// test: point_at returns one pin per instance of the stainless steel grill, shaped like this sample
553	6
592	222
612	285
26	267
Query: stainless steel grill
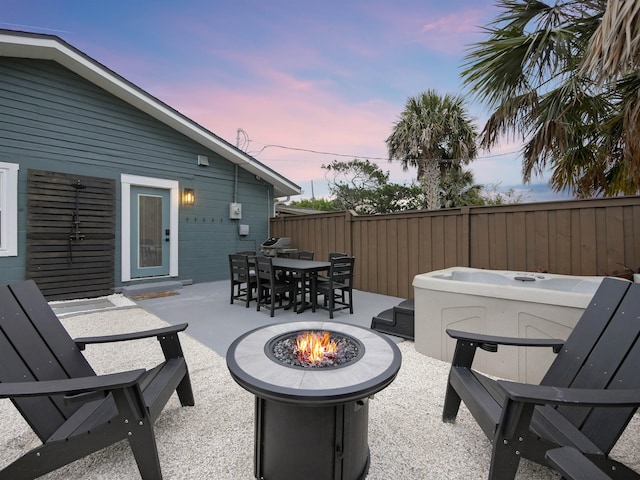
276	246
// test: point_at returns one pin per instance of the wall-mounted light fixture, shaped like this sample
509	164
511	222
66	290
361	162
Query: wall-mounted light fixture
188	197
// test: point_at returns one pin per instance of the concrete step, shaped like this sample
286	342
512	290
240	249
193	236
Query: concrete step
155	287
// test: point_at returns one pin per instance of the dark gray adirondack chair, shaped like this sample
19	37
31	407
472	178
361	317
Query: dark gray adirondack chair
583	401
73	411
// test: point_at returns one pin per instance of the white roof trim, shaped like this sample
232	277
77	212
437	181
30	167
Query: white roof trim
48	47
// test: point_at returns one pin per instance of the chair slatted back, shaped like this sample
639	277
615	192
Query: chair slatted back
341	270
34	345
584	336
239	267
613	363
602	352
265	271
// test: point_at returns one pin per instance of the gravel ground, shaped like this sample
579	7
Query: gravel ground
214	439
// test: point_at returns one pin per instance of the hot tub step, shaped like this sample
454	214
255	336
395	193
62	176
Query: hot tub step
406	306
398	321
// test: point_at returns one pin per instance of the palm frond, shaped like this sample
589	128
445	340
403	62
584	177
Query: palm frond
529	72
614	48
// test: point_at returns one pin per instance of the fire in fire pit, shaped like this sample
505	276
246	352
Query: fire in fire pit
315	349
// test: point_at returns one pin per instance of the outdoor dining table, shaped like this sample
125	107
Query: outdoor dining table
303	268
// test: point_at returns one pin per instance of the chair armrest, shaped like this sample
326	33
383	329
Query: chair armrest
584	397
573	465
158	332
491	342
71	385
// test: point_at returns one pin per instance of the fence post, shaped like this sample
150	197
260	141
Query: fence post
466	236
348	230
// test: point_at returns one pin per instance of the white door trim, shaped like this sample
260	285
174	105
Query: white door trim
126	181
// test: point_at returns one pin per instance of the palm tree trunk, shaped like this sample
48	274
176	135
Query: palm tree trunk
429	178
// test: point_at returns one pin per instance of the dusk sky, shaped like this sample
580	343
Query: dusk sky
306	82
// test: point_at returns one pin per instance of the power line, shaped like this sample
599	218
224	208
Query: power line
319	152
315	151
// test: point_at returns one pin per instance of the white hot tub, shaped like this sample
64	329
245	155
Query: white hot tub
499	302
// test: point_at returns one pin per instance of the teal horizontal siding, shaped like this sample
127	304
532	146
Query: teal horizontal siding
51	119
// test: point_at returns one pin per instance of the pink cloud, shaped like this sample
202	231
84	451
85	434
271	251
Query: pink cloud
269	92
313	119
463	22
291	114
453	32
435	27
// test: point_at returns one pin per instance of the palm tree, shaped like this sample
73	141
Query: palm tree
458	189
530	73
432	133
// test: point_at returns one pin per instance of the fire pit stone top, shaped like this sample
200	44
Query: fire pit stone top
251	366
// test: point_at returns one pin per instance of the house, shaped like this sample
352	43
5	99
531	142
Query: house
103	186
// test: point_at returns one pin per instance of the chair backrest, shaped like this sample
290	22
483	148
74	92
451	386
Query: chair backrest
264	270
34	345
239	267
336	255
303	255
341	270
602	351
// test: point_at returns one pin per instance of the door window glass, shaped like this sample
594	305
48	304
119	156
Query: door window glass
150	231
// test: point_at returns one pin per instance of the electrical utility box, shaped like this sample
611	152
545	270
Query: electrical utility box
235	211
243	230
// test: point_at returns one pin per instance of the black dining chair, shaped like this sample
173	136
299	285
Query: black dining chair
323	278
304	255
337	290
243	278
271	289
332	255
296	277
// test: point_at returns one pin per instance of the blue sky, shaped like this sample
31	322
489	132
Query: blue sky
306	82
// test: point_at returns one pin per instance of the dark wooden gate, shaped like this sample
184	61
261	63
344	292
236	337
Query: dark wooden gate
70	234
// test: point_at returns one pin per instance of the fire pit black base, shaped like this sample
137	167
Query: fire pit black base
312	423
334	437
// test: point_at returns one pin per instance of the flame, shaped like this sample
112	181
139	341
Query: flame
315	347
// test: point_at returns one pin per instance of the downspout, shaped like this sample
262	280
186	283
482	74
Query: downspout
270	210
280	202
235	185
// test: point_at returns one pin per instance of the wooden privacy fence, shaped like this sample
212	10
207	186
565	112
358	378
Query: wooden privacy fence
575	237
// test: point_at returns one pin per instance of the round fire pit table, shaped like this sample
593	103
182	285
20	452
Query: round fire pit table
312	422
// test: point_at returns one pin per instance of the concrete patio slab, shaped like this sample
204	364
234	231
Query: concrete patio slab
215	322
